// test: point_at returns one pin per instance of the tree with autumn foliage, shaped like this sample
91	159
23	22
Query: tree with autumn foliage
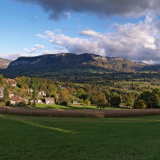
64	97
100	100
5	95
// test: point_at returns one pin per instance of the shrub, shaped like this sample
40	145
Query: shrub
140	104
64	103
22	104
80	101
34	104
8	103
88	102
29	103
2	104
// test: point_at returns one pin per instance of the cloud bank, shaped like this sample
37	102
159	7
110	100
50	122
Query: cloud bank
140	42
64	8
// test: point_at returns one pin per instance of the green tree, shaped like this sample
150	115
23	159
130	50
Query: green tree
5	95
115	99
34	95
156	98
81	93
129	99
1	79
64	97
100	100
140	104
107	94
147	96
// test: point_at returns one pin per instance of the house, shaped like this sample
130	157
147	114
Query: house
13	83
32	101
76	99
42	93
39	101
49	100
75	102
16	100
30	90
59	85
1	90
26	100
5	80
10	95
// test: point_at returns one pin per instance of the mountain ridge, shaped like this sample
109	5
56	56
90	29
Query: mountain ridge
76	63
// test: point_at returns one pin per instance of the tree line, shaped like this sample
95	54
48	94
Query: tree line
86	93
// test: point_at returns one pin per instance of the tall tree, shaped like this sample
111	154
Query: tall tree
147	96
5	95
64	97
34	95
1	79
129	99
100	100
115	99
140	104
156	98
81	93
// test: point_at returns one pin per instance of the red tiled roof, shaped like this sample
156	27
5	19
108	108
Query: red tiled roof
13	82
17	98
49	99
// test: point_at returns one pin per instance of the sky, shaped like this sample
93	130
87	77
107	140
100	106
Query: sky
111	28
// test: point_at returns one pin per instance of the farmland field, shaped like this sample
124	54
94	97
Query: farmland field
133	138
55	106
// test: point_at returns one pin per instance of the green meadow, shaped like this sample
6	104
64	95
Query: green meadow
70	107
46	138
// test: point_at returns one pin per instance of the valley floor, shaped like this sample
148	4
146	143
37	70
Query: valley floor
39	138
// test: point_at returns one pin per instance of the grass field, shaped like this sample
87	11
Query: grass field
39	138
55	106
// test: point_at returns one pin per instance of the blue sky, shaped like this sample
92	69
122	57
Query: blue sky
129	34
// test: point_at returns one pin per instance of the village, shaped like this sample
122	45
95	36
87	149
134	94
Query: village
25	96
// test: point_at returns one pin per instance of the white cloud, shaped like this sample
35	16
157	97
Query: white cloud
27	50
41	36
58	48
91	33
13	56
57	30
16	55
134	41
39	46
33	50
48	34
55	52
68	15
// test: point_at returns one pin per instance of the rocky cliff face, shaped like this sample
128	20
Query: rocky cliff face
4	63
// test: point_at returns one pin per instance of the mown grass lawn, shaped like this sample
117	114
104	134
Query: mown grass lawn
55	106
39	138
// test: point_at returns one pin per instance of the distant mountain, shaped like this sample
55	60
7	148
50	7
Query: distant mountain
4	63
74	63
